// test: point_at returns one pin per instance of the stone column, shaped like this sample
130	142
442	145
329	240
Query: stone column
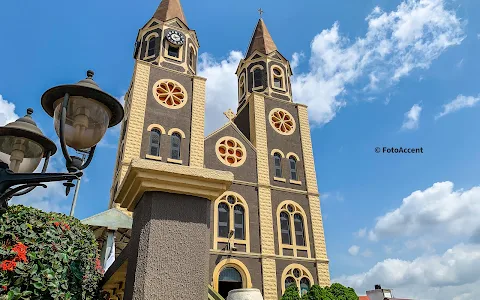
170	243
171	233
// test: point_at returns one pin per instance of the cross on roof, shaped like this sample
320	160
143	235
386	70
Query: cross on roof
261	12
229	114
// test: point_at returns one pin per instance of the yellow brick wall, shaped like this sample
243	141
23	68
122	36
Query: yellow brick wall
313	198
198	123
269	271
267	243
133	136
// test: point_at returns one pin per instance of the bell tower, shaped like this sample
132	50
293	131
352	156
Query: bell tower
264	69
165	103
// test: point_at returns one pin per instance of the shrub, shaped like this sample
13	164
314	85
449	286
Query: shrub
334	292
47	256
291	293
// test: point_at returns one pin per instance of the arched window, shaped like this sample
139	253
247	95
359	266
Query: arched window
293	168
277	162
229	274
285	228
299	233
292	230
298	275
151	46
223	220
176	141
191	58
241	86
304	286
155	142
277	75
231	214
239	222
257	78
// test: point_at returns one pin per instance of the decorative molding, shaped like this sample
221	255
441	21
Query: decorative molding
282	121
148	156
294	155
277	151
148	176
279	179
168	92
176	130
156	126
239	201
303	273
230	151
174	161
297	182
296	209
237	265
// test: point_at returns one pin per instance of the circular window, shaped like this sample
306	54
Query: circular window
231	151
282	121
170	93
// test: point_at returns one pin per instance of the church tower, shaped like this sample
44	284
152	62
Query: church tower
271	215
165	103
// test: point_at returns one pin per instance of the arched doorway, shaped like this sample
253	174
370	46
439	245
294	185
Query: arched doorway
229	279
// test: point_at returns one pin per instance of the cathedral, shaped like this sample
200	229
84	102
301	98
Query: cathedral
238	208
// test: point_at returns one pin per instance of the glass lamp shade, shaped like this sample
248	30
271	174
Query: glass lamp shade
86	121
21	154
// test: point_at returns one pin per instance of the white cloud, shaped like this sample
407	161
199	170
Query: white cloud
396	43
221	87
367	253
430	277
7	112
458	103
439	211
460	63
354	250
412	118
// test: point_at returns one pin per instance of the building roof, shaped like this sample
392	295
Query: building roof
169	9
261	40
363	298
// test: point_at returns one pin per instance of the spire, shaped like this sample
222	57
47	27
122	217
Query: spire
169	9
261	40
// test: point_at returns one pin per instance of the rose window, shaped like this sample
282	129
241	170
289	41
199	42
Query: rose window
282	121
170	93
231	151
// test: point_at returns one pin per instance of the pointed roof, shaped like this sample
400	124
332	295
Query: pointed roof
169	9
261	40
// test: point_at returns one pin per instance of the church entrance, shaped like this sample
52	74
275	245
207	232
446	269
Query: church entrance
229	279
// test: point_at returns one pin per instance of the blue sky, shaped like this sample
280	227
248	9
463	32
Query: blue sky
375	73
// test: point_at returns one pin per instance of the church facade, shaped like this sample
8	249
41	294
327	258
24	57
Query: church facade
266	231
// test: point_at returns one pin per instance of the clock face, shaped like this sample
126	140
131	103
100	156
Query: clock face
175	37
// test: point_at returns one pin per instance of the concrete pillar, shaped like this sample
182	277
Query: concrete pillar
170	246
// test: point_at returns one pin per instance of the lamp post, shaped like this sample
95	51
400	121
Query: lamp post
82	113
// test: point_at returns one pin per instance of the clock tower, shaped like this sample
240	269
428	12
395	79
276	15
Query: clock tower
165	103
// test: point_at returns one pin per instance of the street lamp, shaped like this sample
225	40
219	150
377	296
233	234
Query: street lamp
82	113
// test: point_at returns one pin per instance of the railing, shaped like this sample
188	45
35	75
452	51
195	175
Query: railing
213	295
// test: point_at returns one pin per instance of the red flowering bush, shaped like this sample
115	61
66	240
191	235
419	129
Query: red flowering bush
47	256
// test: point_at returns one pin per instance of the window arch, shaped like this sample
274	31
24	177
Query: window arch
278	78
176	142
231	213
257	74
292	229
176	136
155	135
277	163
238	266
241	86
192	57
298	275
151	44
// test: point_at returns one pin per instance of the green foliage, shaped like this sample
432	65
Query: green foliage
60	260
335	292
291	293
